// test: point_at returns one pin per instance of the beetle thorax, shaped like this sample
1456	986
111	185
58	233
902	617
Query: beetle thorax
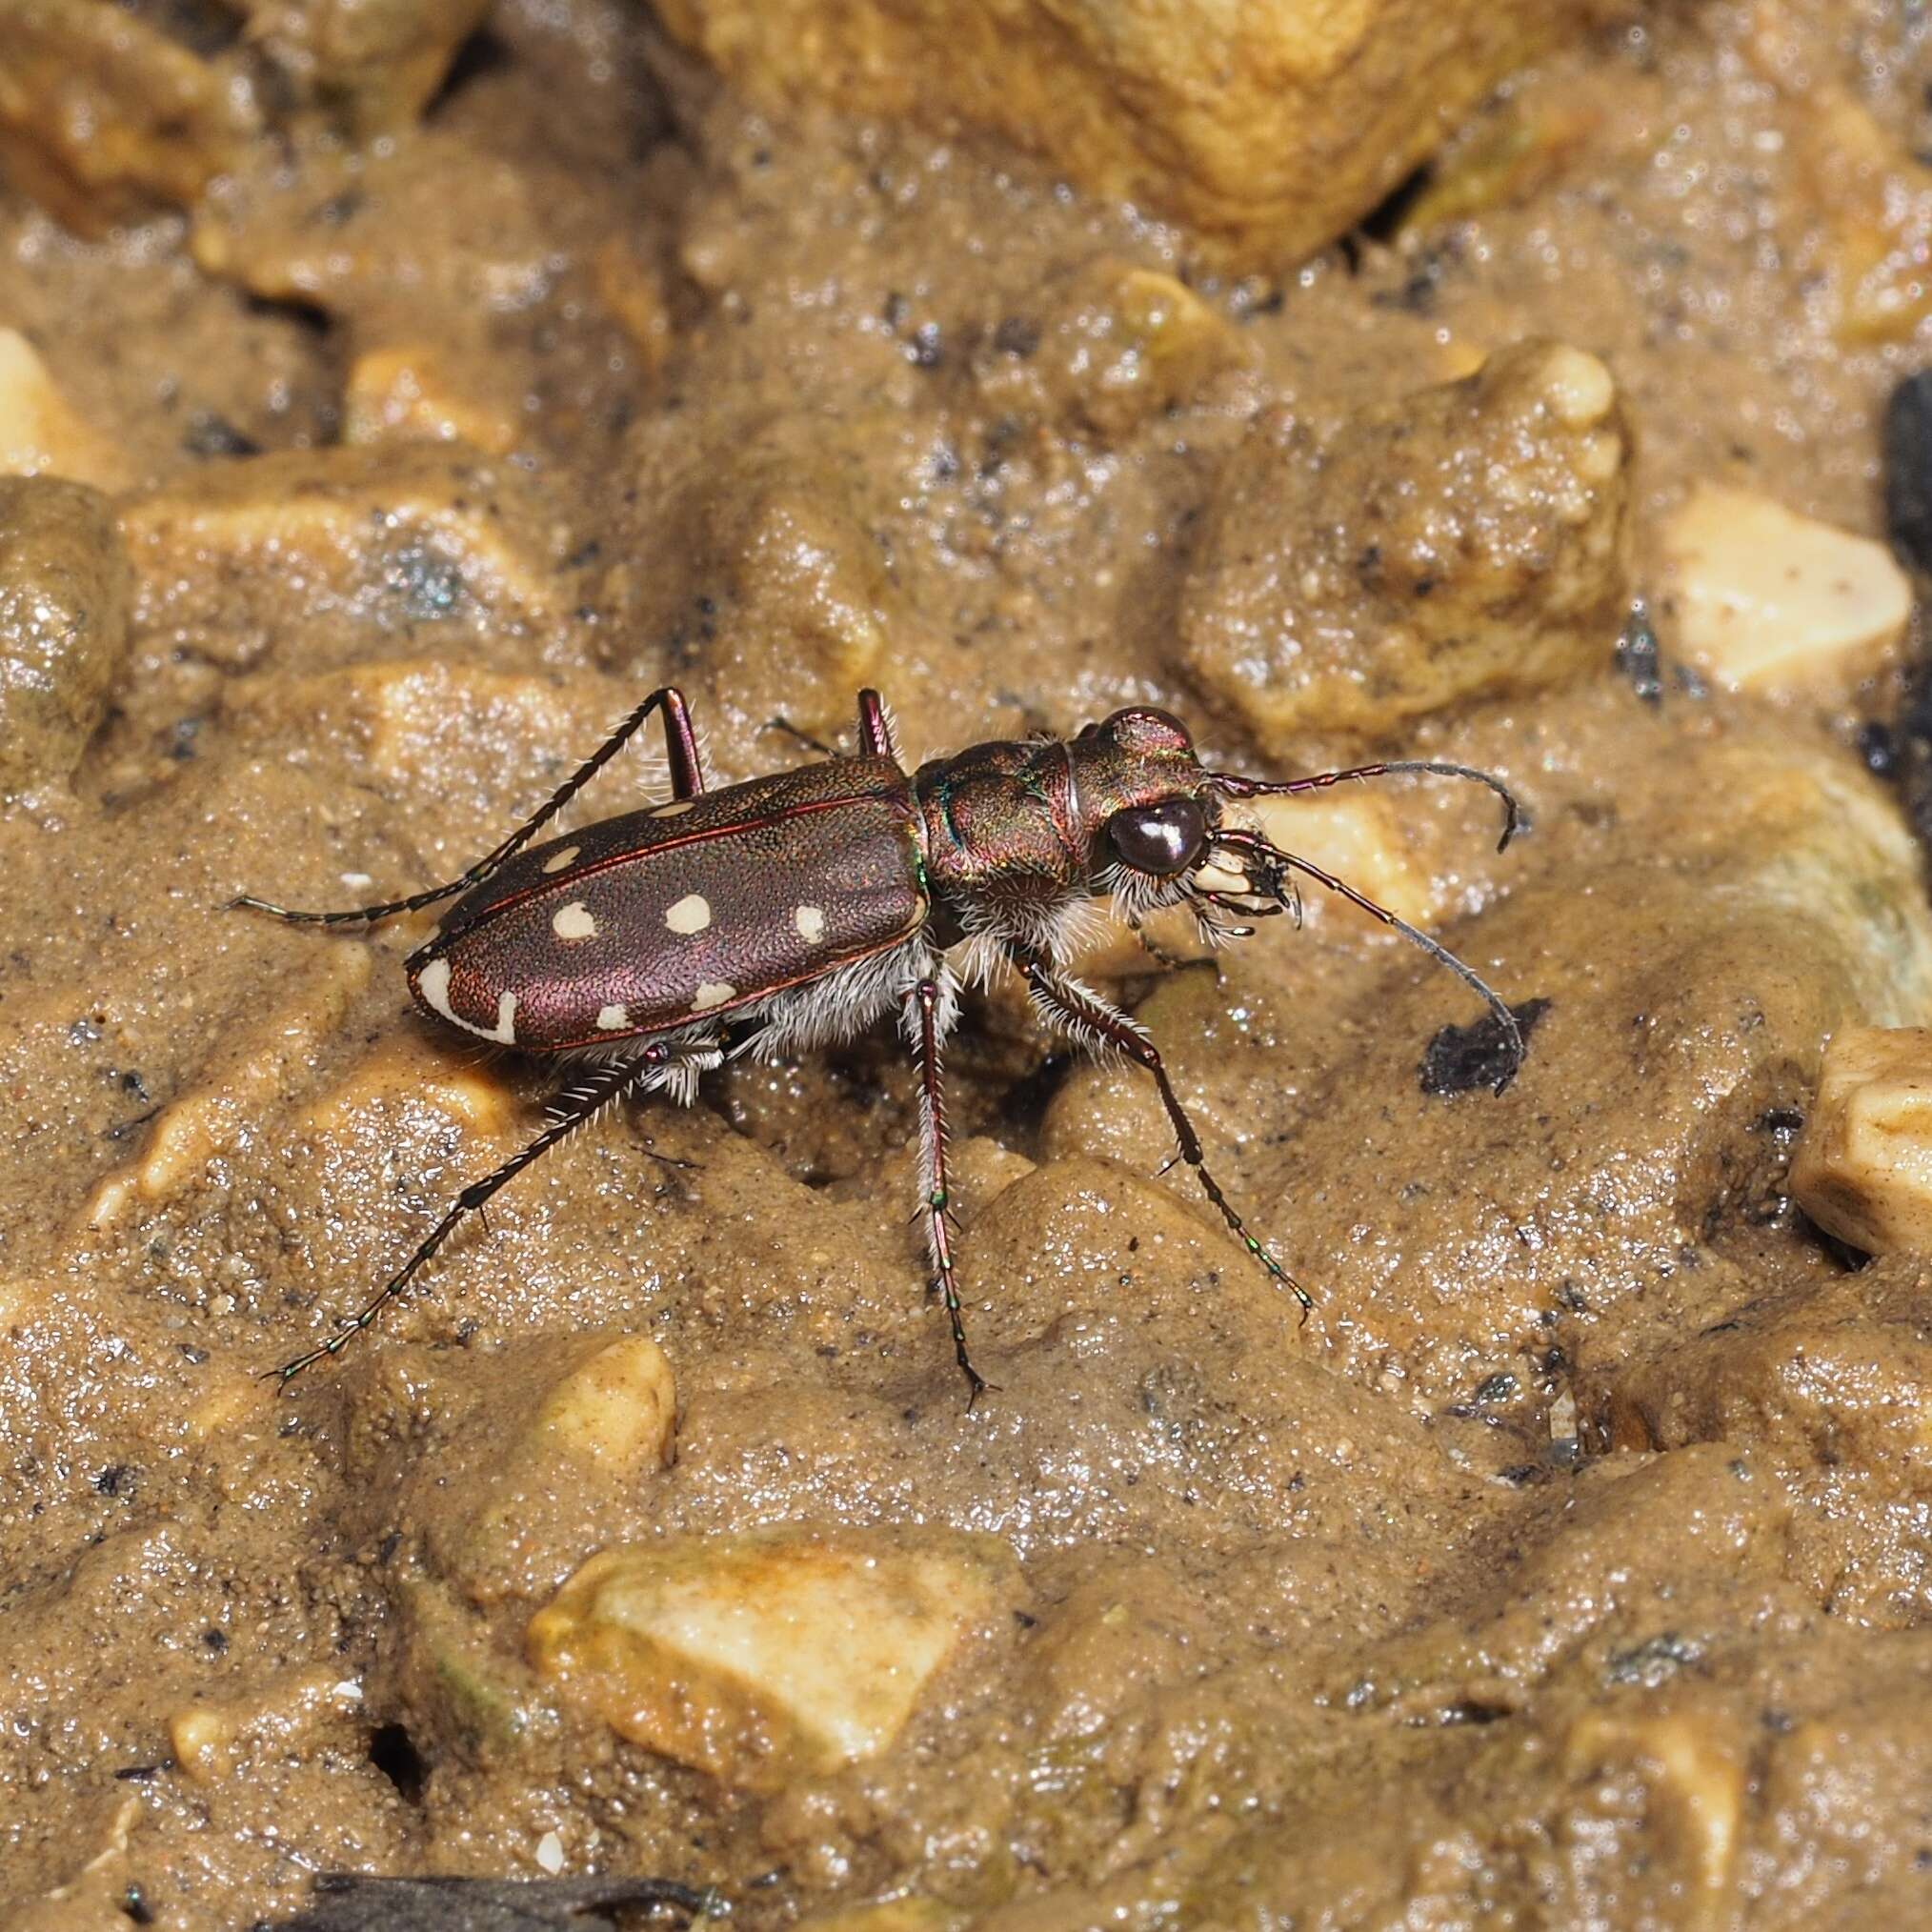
1017	835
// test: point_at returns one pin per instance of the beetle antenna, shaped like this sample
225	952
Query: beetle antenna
1232	785
1268	860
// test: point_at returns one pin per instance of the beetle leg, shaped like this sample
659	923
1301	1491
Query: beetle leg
799	737
1075	1010
876	728
585	1098
687	781
923	1024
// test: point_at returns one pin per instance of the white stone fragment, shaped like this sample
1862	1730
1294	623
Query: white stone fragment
1863	1170
1763	599
40	433
753	1657
618	1406
1353	833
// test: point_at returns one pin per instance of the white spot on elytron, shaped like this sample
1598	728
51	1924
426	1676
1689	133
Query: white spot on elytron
713	993
613	1018
432	982
811	923
558	860
574	921
671	809
692	914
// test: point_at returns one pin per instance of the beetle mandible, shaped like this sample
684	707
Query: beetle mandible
796	910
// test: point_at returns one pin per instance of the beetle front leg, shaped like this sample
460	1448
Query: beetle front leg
1084	1015
924	1023
687	781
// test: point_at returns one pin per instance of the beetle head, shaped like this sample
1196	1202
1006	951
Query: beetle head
1145	807
1161	833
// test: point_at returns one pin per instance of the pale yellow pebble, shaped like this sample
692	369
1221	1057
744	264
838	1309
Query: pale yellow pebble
188	1134
619	1406
109	1199
200	1738
1863	1168
1763	599
40	433
751	1656
1354	833
889	1915
409	392
1699	1771
1461	358
1578	387
407	1070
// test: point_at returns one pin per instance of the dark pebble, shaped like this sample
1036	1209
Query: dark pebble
1460	1059
1907	445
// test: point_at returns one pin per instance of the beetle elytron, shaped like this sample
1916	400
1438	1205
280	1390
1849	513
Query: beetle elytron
796	910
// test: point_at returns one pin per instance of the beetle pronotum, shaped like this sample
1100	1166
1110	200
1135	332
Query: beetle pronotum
796	910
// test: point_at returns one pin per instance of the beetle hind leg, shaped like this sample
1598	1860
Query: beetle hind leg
659	1064
687	781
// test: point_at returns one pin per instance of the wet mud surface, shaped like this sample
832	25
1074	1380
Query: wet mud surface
1568	1565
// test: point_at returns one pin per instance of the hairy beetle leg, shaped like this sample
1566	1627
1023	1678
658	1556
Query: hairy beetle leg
1086	1015
687	781
925	1000
601	1088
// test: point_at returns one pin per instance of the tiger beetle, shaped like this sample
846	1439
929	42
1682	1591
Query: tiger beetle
796	910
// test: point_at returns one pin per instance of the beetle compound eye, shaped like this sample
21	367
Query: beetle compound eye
1163	839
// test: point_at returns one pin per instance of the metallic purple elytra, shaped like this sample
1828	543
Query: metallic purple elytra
795	909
